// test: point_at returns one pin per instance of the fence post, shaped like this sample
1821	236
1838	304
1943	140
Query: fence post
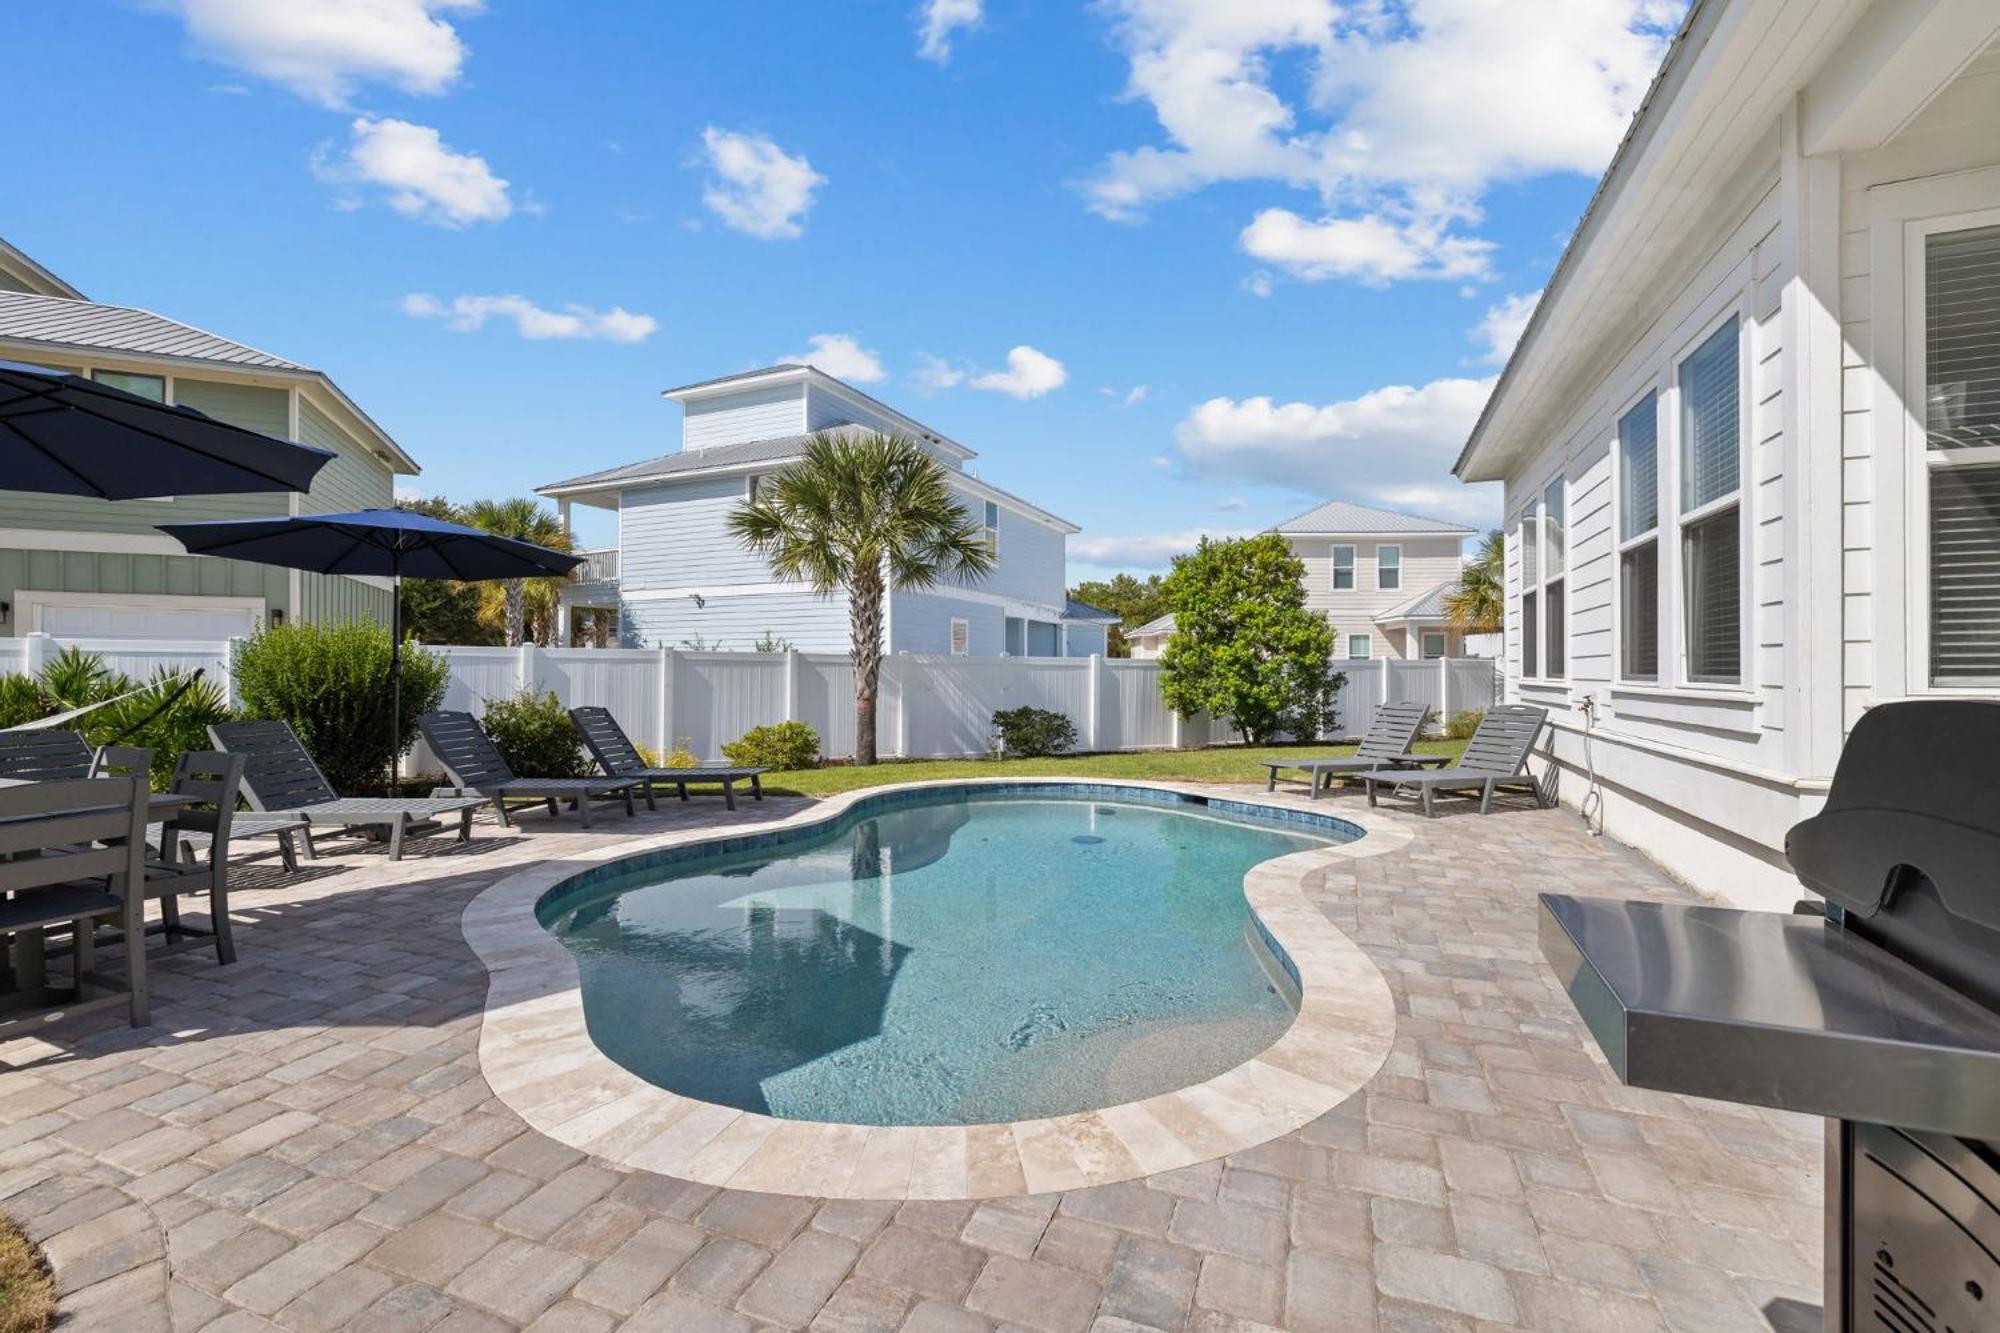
1094	701
228	682
664	738
901	675
524	669
1444	690
37	655
791	685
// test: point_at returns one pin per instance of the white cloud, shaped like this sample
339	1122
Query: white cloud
1408	110
323	50
1391	446
468	313
1131	397
1373	249
839	355
1259	284
1029	374
423	177
1502	325
1229	504
1142	550
938	19
934	373
757	187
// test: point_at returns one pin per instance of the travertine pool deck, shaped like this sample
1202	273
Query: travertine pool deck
305	1140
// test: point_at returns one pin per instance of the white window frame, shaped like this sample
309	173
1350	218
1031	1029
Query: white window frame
1353	567
1398	566
959	638
1535	514
992	516
1916	464
1424	638
1368	639
1676	520
1524	519
1657	385
166	397
750	487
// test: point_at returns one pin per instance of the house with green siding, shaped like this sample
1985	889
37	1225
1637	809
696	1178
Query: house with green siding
82	568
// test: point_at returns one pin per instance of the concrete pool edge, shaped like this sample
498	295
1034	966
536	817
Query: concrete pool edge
537	1055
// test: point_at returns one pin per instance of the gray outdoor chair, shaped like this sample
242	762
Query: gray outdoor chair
474	765
1387	745
211	780
1496	758
281	781
615	754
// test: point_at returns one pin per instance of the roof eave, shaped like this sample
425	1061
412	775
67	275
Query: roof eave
21	259
1376	536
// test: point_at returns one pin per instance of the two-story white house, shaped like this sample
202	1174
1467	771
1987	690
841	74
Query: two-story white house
1751	436
679	579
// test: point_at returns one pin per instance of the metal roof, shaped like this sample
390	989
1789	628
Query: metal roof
1158	625
758	373
1075	610
1341	517
775	449
13	257
1424	606
61	322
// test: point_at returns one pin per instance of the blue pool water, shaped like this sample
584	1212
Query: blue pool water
939	958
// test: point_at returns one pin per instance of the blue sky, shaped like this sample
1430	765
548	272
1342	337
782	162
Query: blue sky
1171	266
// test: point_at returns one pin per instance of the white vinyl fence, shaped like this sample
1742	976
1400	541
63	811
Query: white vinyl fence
929	706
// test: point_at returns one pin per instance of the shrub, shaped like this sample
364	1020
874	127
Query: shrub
682	755
332	684
21	701
166	714
1033	732
535	736
1460	726
784	745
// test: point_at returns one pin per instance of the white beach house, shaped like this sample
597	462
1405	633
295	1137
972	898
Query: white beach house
1751	437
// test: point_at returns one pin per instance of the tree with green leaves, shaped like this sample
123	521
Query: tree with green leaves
443	610
1478	605
1245	647
863	513
1135	601
524	520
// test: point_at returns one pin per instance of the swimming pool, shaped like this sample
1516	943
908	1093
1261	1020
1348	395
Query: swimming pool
942	956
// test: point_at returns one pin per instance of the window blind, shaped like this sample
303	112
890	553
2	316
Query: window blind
1962	338
1639	612
1529	635
1553	529
1965	575
1639	470
1714	599
1552	594
1530	543
1343	567
1709	423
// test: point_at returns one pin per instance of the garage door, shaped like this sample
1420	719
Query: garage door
163	620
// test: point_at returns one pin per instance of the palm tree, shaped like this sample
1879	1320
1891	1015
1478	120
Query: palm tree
864	512
523	520
1478	604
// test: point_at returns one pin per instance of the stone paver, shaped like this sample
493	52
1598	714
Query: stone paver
304	1141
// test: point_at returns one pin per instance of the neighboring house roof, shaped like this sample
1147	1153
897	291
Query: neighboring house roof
1428	605
761	372
1075	610
29	322
1158	625
24	268
786	372
1341	518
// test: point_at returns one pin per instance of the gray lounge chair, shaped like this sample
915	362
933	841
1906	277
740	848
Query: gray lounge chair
614	752
474	765
1387	745
281	781
1495	758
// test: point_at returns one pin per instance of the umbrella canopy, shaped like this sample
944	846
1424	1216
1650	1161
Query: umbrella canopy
390	543
61	434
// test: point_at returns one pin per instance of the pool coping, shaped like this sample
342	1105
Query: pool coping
537	1055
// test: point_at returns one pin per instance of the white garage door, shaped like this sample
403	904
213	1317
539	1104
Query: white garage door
161	620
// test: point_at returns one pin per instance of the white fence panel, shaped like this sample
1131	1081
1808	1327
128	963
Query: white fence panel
479	675
826	701
719	696
624	680
1358	698
1471	682
952	700
1416	682
1134	714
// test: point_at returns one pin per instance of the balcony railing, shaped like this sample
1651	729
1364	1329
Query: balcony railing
598	566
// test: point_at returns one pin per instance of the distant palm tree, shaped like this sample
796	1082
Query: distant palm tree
1478	604
524	520
864	512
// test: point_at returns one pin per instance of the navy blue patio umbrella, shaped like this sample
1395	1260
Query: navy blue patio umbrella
62	434
386	543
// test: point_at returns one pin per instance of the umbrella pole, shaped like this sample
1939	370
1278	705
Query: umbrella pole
395	677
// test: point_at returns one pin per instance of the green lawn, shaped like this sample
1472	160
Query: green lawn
1233	764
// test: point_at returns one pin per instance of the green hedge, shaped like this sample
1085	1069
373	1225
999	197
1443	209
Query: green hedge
784	745
535	736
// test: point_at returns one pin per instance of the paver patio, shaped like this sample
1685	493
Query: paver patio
304	1140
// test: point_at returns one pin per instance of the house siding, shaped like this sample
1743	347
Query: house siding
1085	640
677	536
354	479
920	622
1032	562
753	414
738	621
139	573
1427	562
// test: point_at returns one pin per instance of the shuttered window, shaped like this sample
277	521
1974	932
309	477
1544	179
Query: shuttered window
1639	598
1711	509
1711	574
1962	432
1639	541
1639	469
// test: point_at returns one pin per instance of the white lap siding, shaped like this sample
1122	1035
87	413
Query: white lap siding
734	622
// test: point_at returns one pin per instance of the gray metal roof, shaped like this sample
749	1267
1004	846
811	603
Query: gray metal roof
1343	517
1159	625
1424	606
1075	610
777	448
13	257
739	375
60	322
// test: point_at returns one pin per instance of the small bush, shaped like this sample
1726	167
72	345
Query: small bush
21	701
331	682
1460	726
165	714
786	745
1033	732
535	736
682	755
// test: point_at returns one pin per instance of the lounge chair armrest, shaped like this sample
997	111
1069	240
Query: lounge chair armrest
1412	759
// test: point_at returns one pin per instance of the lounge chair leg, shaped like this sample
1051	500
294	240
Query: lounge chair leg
630	809
729	793
1486	796
582	810
1271	779
287	853
1371	791
651	803
555	807
170	917
1429	812
465	824
135	959
396	837
500	811
684	791
307	851
83	954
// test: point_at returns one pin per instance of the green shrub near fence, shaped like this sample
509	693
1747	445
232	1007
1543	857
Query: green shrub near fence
1031	733
535	736
1460	726
783	745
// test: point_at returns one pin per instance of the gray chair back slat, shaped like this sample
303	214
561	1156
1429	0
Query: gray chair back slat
1393	731
1505	736
463	747
44	756
94	821
278	774
212	779
607	741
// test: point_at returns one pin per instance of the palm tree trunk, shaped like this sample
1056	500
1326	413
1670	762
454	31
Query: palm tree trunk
864	615
517	611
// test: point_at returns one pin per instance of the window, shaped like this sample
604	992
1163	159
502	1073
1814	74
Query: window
1360	645
1544	538
1962	453
1343	568
1711	519
961	637
1531	580
1639	541
750	487
992	528
1388	567
1432	642
153	387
